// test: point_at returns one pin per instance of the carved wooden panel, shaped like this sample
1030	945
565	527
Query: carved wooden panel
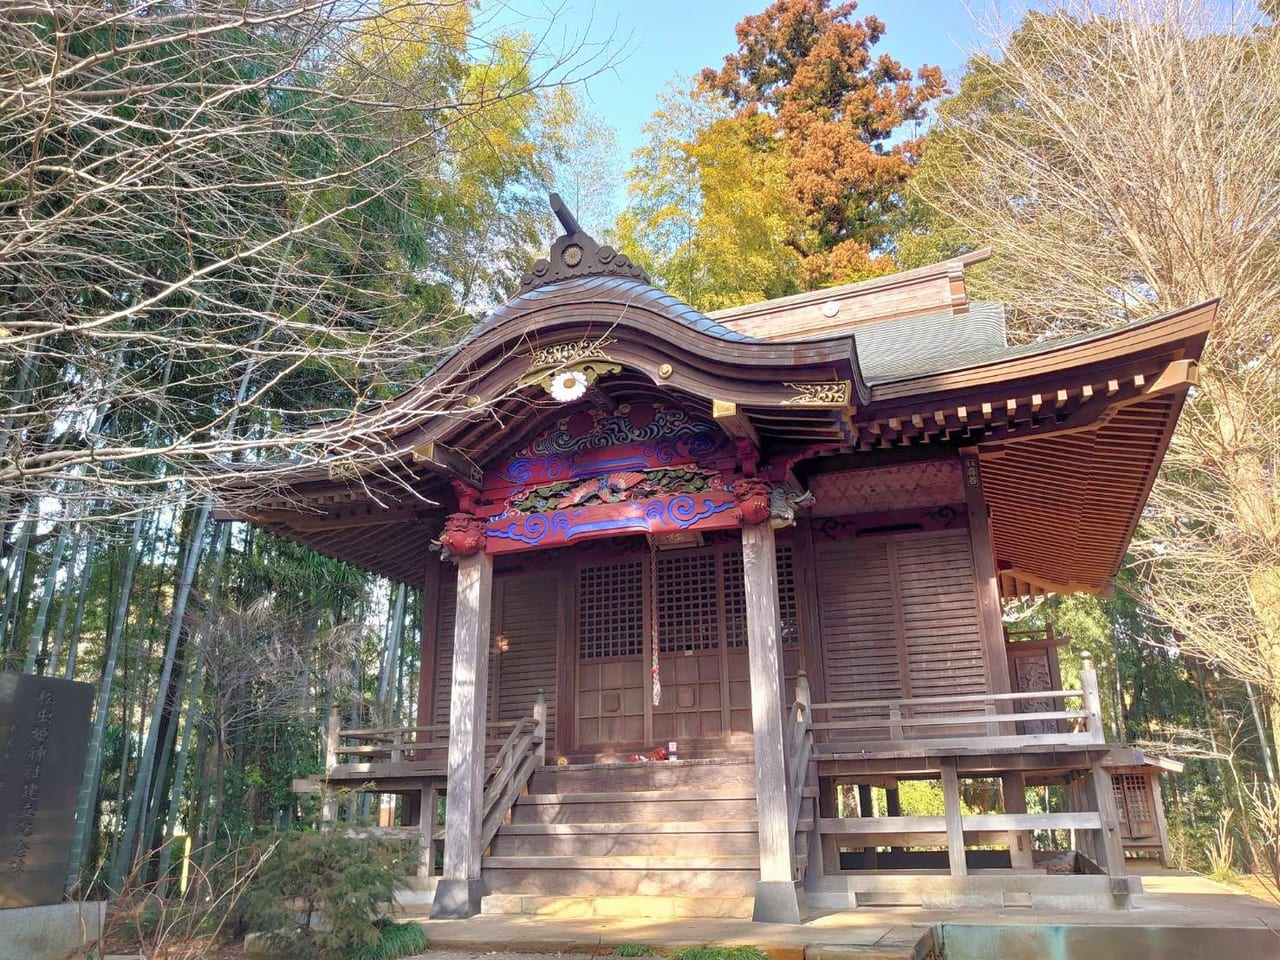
1030	672
928	484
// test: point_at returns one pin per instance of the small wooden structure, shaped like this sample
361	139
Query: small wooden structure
778	537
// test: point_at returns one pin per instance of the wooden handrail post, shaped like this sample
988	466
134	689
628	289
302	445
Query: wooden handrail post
397	742
331	740
540	728
1092	699
895	722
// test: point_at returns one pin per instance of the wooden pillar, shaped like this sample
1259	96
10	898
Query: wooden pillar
460	889
779	899
893	808
1110	847
1162	827
984	565
954	818
1013	788
329	806
867	809
829	807
1092	697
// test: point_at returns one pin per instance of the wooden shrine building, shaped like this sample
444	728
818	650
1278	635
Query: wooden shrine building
779	537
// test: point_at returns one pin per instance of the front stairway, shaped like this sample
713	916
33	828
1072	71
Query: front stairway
663	839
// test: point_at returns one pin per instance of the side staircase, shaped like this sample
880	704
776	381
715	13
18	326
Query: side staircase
664	839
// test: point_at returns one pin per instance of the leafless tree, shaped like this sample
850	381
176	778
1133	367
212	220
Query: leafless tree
1123	158
225	226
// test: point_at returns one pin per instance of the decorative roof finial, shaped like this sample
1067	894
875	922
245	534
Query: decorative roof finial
576	254
567	219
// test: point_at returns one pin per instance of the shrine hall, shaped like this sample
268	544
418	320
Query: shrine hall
702	592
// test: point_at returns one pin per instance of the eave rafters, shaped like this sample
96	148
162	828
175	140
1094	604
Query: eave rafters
1034	410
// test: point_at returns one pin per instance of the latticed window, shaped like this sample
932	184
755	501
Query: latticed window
787	604
611	610
688	602
1132	796
735	598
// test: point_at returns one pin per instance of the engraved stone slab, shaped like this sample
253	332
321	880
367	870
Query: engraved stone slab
44	733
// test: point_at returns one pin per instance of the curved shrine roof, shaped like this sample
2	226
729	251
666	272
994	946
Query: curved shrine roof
1070	432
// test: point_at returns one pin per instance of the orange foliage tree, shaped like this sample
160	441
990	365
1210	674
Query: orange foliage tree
809	70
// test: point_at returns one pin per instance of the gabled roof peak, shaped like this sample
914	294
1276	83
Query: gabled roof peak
577	254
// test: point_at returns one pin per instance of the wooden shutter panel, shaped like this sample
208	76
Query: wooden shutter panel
856	601
446	608
899	618
938	597
528	615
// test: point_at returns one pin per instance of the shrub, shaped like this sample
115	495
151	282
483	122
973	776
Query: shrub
325	894
718	953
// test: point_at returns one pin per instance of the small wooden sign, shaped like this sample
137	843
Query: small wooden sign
44	734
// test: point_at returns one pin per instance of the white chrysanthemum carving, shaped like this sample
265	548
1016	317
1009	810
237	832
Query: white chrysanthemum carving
567	386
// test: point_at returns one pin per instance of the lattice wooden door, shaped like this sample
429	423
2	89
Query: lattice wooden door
612	681
702	651
1136	805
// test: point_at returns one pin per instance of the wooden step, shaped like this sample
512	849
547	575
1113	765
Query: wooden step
661	775
618	907
577	880
728	803
740	838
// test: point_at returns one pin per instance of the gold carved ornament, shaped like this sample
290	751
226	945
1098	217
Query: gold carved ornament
835	393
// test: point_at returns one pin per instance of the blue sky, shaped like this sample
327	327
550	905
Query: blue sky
660	40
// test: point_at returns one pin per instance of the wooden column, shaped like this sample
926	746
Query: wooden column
779	899
1013	788
1110	848
954	818
1157	799
460	889
329	808
984	564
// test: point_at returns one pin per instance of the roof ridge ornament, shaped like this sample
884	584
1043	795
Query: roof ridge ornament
577	254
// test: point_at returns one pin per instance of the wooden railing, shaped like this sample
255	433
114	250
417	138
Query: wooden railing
919	720
798	753
427	745
523	752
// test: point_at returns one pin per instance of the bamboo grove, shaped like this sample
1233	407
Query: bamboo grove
225	227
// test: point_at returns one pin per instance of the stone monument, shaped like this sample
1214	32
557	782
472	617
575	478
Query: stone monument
44	733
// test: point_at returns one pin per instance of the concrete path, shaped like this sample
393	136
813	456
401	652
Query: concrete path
1171	900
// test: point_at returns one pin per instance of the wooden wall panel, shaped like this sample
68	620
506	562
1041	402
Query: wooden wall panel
898	617
527	615
940	615
856	616
445	610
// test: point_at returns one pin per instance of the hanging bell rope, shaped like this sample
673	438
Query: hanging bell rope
653	621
